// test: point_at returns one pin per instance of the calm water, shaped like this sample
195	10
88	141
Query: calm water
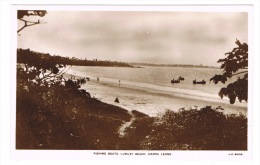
149	89
156	77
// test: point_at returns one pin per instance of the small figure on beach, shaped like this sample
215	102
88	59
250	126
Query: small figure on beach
117	100
118	82
97	79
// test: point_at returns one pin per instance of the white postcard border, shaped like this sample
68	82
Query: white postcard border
34	155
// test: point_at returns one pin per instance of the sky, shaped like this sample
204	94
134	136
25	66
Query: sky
162	37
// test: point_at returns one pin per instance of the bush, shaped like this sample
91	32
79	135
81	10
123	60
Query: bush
56	116
204	129
136	133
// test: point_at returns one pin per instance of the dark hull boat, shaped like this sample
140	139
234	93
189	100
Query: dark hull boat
175	81
199	82
181	78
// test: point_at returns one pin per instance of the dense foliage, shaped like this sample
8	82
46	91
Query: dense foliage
22	13
204	129
53	112
235	63
31	58
64	117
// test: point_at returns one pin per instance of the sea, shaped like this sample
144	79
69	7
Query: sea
148	89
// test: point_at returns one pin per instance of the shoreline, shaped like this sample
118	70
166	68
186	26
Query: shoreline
150	101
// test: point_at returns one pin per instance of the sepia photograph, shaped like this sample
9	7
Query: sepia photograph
133	80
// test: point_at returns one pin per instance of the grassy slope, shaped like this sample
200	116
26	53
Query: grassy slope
83	123
63	118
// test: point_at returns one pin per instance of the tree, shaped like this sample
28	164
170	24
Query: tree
22	13
39	67
235	63
36	65
45	100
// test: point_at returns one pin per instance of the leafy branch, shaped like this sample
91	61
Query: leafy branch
235	63
27	23
48	76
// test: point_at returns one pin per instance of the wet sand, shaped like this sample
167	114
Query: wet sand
152	102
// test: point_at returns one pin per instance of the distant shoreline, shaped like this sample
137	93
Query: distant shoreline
24	54
141	65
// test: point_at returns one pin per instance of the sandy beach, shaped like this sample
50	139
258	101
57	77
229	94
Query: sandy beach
152	102
149	98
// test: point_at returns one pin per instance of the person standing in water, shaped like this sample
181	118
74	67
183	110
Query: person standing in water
118	82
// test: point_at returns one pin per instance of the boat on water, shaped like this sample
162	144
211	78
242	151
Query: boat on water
181	78
175	81
199	82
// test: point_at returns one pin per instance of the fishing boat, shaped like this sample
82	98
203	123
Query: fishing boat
175	81
199	82
181	78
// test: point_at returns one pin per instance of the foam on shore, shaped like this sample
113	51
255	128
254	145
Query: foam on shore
151	102
153	99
